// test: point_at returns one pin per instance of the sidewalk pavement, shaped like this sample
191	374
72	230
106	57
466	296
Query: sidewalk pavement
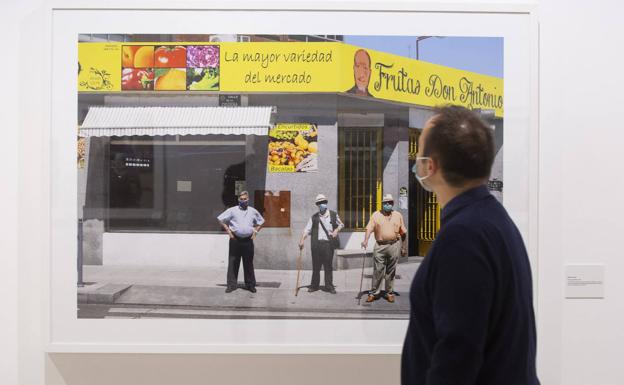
191	292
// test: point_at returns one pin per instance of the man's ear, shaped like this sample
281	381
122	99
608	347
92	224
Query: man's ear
433	165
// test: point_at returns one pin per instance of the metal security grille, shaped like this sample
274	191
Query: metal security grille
359	167
429	215
427	207
413	145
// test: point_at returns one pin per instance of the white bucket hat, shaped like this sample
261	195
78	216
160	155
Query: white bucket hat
320	198
387	198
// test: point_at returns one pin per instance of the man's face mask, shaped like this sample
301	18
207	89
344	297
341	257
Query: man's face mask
387	206
243	203
322	207
421	178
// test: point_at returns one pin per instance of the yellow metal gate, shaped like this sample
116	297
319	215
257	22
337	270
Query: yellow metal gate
424	210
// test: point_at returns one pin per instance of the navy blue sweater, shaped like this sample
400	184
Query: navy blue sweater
472	319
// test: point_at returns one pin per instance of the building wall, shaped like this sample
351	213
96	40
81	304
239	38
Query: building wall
94	183
396	163
277	248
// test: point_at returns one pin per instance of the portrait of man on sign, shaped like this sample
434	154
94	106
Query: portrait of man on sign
361	73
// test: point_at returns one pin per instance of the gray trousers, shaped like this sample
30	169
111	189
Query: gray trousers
385	259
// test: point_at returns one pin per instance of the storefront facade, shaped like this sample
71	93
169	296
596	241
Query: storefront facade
152	197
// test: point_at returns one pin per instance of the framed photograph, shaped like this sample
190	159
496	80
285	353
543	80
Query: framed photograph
187	144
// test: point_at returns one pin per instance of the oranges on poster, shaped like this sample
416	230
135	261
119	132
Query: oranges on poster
144	57
127	55
173	79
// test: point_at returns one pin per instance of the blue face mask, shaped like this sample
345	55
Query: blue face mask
243	204
387	207
322	207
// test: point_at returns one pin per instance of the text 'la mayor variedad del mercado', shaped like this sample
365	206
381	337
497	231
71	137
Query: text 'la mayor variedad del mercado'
266	59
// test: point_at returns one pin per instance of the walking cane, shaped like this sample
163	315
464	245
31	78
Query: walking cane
362	276
298	271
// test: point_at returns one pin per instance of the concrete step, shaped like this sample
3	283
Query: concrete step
106	293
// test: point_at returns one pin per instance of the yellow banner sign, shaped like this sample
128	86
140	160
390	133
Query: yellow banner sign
281	67
391	77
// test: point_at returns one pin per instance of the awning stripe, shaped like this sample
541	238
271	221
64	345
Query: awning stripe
156	121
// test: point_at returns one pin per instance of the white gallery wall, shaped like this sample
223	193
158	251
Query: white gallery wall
580	140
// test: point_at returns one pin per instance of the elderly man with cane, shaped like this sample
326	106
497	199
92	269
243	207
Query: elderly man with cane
390	234
323	227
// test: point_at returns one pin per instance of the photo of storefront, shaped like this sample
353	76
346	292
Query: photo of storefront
171	129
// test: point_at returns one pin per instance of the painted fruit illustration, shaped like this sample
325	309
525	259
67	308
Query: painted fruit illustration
127	55
170	57
144	57
173	79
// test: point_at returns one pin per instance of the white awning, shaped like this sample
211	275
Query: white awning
157	121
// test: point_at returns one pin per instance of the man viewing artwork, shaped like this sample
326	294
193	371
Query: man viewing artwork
471	317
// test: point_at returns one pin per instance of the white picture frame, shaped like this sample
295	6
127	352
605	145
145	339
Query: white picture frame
64	332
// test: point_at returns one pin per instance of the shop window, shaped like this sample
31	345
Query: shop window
360	171
172	185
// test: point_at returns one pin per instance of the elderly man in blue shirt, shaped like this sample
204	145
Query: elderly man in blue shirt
471	319
242	223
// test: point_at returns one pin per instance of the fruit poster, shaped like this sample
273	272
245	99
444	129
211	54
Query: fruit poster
293	147
170	68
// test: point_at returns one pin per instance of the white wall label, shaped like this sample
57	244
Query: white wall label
584	281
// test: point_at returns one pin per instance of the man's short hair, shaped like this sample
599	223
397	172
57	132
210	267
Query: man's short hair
243	193
462	144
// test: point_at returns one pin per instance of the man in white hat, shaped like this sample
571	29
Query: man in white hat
390	233
323	227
